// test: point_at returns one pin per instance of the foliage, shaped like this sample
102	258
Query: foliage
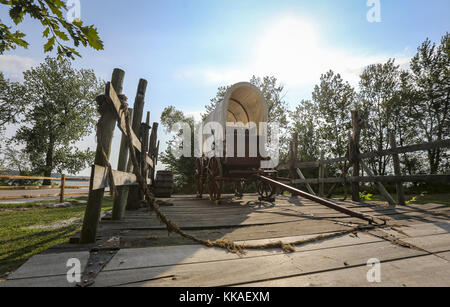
304	122
365	196
57	31
60	112
12	102
430	111
17	162
334	99
378	86
182	167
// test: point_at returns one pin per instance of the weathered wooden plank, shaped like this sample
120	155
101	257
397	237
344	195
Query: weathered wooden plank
433	244
425	271
100	179
189	254
46	265
58	281
420	230
105	133
246	270
114	99
134	193
120	201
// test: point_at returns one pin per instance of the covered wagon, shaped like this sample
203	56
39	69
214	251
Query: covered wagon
233	144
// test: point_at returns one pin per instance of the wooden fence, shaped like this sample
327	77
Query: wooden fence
62	187
145	145
355	160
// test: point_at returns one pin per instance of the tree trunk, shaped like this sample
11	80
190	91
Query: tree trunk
49	161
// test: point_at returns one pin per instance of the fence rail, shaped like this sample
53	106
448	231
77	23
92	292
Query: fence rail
355	161
62	187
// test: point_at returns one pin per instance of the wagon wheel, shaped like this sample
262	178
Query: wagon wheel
214	185
265	189
198	177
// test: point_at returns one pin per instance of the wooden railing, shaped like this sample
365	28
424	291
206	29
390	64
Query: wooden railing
145	147
355	160
62	187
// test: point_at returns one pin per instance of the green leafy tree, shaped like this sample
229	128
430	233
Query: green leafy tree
16	162
334	99
402	124
379	84
183	167
57	30
12	101
431	76
304	121
60	112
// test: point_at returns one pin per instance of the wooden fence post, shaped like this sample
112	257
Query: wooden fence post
398	172
321	174
94	205
354	153
120	201
145	130
153	148
133	191
63	184
293	155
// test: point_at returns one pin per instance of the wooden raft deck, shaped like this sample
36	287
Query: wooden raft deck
414	249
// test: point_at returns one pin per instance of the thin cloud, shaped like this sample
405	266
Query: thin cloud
13	66
291	50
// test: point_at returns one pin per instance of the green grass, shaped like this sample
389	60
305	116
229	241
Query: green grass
420	199
19	242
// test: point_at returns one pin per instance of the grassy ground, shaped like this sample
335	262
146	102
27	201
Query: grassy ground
442	199
420	199
28	229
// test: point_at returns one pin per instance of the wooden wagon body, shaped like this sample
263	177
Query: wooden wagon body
233	145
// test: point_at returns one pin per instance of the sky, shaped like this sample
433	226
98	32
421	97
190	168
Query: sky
186	49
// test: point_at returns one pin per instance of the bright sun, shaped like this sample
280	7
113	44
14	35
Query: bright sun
289	44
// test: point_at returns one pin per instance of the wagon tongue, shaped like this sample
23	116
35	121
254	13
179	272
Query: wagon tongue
322	201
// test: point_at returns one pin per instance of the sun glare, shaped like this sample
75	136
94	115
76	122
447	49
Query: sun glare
289	44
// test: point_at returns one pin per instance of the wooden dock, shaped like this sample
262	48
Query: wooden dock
414	247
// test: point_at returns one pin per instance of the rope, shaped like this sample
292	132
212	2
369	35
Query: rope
228	245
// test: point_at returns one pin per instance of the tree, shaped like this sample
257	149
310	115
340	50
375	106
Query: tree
431	76
304	122
379	84
11	101
16	162
58	31
334	99
182	167
60	112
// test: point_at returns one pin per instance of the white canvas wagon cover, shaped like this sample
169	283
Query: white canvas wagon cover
243	103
